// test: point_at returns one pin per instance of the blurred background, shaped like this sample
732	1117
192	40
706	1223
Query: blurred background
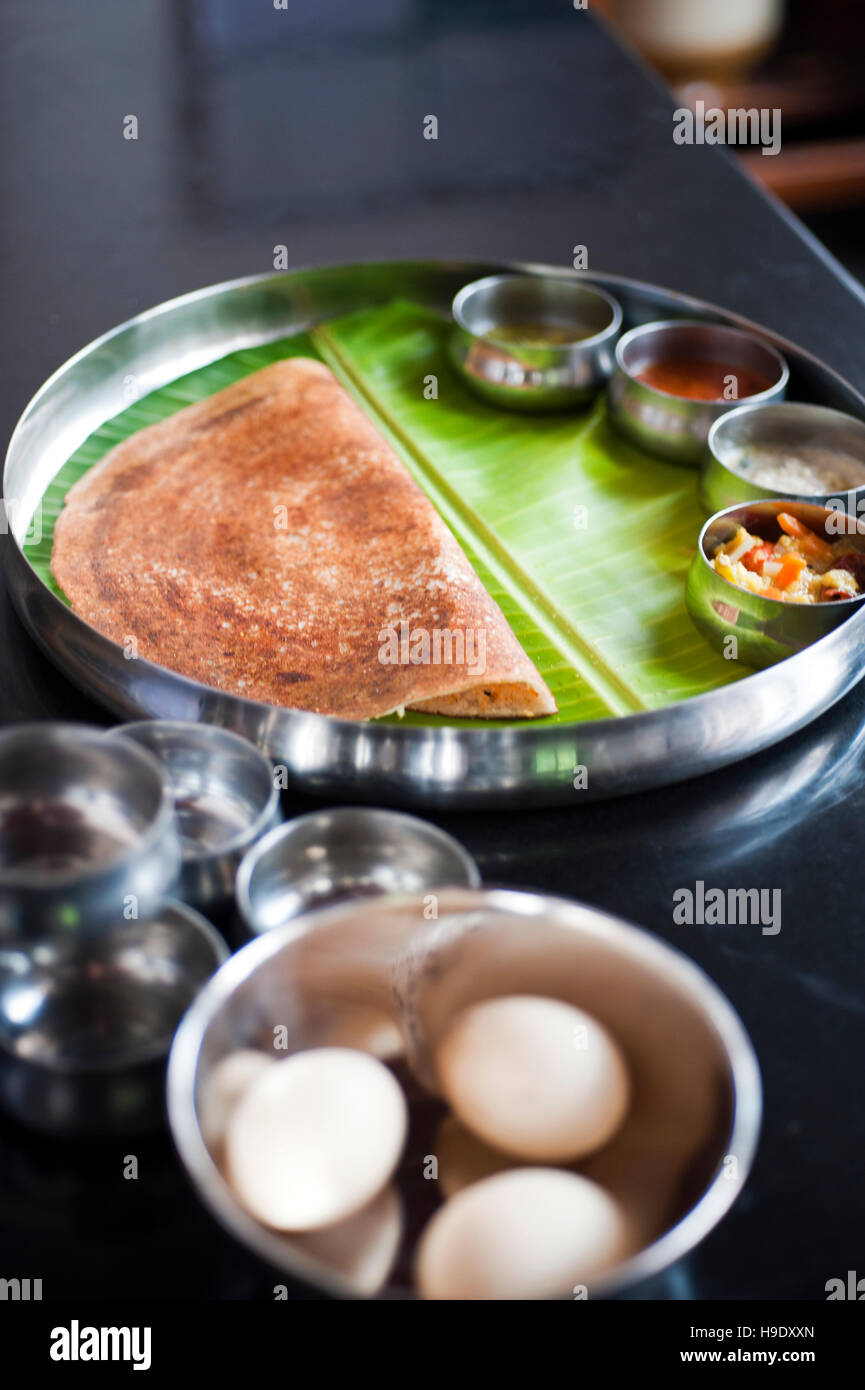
265	124
801	57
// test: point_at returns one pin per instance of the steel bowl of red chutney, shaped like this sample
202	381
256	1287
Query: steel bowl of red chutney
675	378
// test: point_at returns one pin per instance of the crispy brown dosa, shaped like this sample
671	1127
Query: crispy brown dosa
269	542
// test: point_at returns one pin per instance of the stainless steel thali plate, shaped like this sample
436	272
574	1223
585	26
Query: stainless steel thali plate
384	762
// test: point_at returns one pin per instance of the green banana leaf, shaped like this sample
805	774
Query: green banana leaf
582	540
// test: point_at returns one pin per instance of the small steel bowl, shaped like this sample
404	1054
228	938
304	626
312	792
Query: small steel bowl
555	376
750	627
225	799
86	832
685	1149
676	427
350	852
86	1026
789	425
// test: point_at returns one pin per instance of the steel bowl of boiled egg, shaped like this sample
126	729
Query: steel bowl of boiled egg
467	1095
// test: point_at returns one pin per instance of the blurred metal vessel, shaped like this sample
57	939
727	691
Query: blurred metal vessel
85	1026
87	835
348	852
225	798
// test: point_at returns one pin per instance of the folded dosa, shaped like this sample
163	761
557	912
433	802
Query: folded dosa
269	542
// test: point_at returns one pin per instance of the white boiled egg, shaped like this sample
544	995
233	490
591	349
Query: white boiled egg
529	1233
534	1077
224	1087
315	1138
